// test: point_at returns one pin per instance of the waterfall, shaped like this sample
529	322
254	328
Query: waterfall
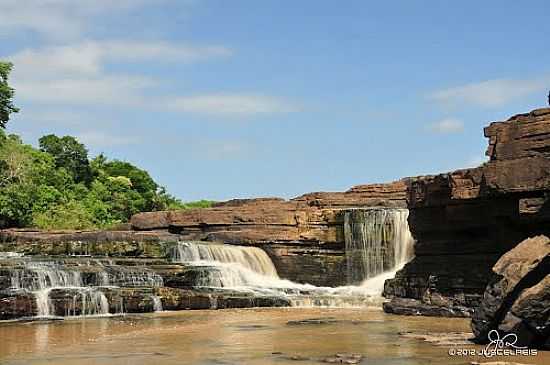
252	258
377	241
227	266
43	277
88	299
92	302
244	269
157	303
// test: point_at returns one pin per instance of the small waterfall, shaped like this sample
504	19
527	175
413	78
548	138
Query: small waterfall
377	241
227	266
82	281
157	303
43	277
90	301
252	258
209	266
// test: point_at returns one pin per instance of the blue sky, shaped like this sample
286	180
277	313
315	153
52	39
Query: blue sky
222	99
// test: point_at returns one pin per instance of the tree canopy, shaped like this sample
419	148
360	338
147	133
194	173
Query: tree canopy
69	154
6	95
59	187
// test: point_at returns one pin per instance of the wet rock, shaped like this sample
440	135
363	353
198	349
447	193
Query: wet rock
17	305
440	338
497	363
415	307
179	299
298	358
344	358
516	298
321	321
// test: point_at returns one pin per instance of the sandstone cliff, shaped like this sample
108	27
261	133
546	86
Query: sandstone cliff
465	220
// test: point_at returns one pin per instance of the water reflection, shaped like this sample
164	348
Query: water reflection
252	337
42	337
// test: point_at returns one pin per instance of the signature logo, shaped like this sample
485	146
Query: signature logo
497	346
495	342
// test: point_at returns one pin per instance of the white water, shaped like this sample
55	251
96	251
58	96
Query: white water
379	242
157	303
87	298
43	277
252	258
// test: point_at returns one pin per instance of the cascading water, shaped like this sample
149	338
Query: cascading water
157	303
84	282
377	244
377	241
227	266
252	258
42	277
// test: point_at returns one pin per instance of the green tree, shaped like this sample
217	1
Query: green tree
68	154
140	179
6	95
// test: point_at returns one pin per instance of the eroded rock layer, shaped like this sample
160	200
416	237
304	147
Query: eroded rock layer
465	220
303	236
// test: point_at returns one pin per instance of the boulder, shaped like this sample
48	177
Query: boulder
515	297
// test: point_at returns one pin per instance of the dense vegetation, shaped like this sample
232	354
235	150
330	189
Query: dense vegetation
58	186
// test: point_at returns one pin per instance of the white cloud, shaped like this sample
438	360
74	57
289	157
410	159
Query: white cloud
74	74
104	90
491	93
159	51
44	116
58	19
100	139
229	104
90	57
447	126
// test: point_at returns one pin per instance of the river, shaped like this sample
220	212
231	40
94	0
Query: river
234	337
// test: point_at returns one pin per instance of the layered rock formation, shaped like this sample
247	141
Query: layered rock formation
304	236
465	220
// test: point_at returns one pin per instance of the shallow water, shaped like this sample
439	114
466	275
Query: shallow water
245	336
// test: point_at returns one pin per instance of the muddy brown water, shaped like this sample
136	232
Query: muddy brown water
235	337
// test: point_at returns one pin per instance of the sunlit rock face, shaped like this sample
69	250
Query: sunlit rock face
465	220
304	236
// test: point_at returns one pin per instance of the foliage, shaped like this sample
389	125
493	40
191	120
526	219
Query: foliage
69	154
6	95
59	187
199	204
